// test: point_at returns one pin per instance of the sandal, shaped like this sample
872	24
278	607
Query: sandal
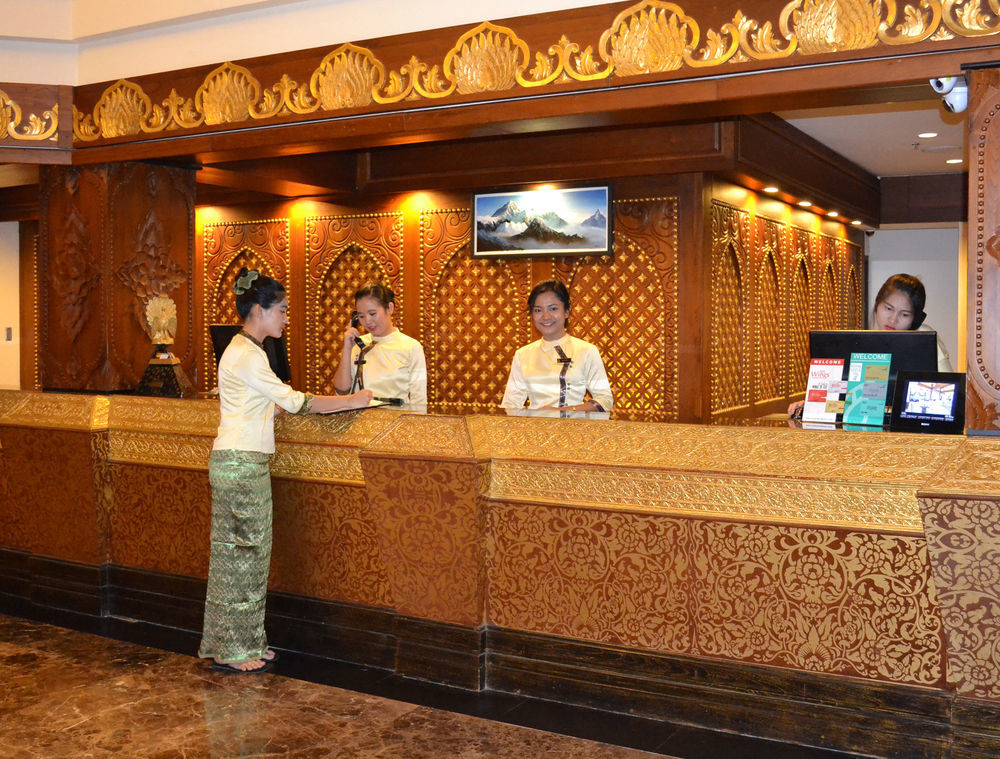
270	656
232	669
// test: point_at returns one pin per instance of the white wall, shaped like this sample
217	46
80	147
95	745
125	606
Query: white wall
10	315
933	256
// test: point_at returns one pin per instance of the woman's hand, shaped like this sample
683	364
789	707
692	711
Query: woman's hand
350	335
360	399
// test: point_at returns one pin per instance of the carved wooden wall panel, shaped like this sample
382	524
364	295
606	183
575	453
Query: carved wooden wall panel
229	246
472	314
73	272
342	253
626	305
152	242
111	237
983	343
771	283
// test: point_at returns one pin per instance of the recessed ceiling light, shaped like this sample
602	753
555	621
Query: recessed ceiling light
805	203
771	188
832	213
954	160
927	135
856	222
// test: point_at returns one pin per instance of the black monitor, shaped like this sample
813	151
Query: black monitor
929	402
276	350
912	350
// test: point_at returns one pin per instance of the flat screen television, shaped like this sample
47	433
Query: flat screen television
567	221
912	350
276	350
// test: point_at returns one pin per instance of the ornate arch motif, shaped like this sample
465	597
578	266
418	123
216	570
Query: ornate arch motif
853	308
730	234
471	314
342	253
768	365
829	309
229	246
798	334
626	305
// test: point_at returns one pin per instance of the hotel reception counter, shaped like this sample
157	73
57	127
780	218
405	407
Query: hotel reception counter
830	587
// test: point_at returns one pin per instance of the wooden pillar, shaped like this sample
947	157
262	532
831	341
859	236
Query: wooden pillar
111	236
982	405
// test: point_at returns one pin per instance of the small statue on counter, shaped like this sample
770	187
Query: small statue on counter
164	375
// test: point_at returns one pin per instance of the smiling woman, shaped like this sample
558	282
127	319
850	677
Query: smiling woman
558	371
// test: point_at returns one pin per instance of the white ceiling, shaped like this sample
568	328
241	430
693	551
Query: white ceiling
883	138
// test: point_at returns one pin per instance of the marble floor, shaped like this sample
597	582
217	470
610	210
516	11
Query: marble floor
70	694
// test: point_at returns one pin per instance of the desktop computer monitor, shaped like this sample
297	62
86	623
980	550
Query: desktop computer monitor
276	350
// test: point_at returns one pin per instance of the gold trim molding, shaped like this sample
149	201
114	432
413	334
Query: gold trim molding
648	38
15	125
54	410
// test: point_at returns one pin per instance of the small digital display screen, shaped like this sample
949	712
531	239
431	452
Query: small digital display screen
929	401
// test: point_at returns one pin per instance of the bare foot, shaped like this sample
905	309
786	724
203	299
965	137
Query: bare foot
247	665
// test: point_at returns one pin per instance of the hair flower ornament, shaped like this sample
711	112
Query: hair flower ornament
244	282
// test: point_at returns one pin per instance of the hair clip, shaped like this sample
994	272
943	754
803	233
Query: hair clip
243	283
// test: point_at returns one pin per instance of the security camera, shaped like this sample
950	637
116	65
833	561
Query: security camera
957	98
942	85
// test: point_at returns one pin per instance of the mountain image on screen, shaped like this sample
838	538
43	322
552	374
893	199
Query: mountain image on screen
511	228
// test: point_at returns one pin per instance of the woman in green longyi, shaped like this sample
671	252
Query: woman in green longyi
239	472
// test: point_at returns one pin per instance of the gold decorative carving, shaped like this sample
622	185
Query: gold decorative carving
181	417
413	435
786	501
973	471
635	290
461	342
963	537
346	78
317	463
160	449
55	411
647	39
342	253
841	456
229	246
348	429
36	129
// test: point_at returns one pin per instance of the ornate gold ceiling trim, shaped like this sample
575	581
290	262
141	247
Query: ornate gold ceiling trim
15	125
650	37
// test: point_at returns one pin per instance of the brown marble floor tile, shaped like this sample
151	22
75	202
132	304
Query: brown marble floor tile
68	694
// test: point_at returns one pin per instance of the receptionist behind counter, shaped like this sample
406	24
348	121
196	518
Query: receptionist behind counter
383	360
558	371
899	305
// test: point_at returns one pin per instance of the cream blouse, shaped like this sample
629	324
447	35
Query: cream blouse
394	368
534	375
248	390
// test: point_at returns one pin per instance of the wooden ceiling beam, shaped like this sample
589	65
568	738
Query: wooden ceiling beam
263	183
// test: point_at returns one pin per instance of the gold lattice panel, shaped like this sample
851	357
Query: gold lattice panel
828	299
342	253
799	334
472	314
853	311
615	299
229	246
729	235
768	363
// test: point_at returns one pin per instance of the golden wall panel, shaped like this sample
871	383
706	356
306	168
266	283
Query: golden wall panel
49	507
430	521
818	599
342	253
464	367
326	544
963	536
786	501
973	470
229	246
622	579
633	292
645	40
317	463
771	283
161	519
847	603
